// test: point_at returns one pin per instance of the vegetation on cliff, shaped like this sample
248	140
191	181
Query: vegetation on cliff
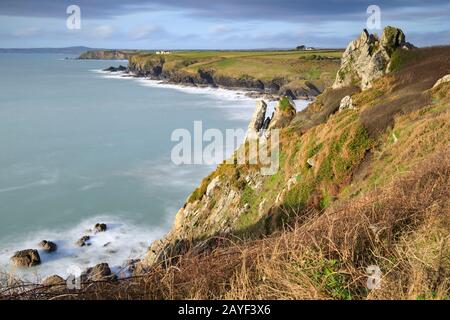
278	72
359	187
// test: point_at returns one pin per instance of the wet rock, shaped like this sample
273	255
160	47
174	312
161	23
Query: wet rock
26	258
48	246
115	69
100	227
83	241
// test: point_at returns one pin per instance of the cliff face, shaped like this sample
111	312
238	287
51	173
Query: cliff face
326	155
174	70
106	55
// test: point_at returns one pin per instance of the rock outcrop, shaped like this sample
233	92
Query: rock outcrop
83	241
257	121
26	258
120	68
100	227
442	80
346	103
284	112
367	58
48	246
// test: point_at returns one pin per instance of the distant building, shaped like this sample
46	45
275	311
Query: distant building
163	52
302	47
309	48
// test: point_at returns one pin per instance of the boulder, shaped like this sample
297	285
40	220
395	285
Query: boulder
285	111
26	258
48	246
83	241
54	280
100	227
346	103
101	272
367	58
442	80
257	121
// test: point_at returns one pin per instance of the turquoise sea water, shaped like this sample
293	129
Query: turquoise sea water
78	147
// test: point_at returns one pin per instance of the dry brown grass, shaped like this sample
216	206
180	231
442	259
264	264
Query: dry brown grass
403	228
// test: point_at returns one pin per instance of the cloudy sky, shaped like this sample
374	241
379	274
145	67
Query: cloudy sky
209	24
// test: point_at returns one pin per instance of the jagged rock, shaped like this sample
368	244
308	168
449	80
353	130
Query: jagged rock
48	246
285	111
115	69
442	80
346	103
257	121
101	272
310	162
26	258
367	58
83	241
100	227
266	124
212	185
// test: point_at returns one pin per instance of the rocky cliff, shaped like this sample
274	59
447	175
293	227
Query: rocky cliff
325	155
106	55
173	71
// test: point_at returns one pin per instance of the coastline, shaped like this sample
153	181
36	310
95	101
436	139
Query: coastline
65	243
238	92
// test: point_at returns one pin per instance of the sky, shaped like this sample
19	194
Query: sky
215	24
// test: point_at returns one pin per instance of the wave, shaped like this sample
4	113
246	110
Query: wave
123	240
52	179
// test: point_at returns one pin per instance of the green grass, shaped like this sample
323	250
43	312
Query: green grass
400	58
262	65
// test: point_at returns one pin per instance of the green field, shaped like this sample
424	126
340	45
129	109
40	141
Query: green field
318	66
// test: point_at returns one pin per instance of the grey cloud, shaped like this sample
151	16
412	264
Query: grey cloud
280	10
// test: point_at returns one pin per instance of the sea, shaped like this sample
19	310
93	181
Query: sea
80	146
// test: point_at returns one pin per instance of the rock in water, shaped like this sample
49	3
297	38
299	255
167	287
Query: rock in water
367	58
100	227
82	241
346	103
26	258
285	111
48	246
257	121
101	272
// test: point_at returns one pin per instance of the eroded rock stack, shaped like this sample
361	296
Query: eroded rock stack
367	58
